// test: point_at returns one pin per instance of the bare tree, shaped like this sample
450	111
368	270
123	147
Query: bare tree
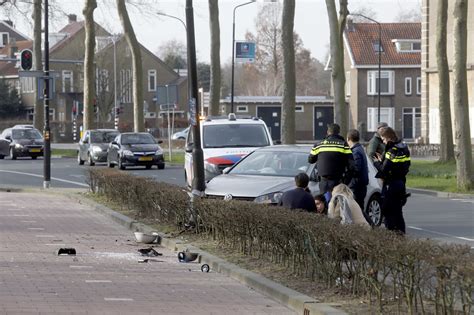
289	76
215	88
89	73
446	128
336	28
461	103
38	118
412	15
138	116
173	53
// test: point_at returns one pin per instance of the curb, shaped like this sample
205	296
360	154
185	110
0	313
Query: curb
300	303
440	194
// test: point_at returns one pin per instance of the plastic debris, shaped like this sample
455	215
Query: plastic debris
149	252
67	252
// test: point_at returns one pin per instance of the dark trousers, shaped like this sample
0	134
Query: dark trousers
326	185
393	194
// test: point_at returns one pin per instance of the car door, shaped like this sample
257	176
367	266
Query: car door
84	145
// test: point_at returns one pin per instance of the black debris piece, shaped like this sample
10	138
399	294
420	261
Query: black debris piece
187	256
67	251
149	252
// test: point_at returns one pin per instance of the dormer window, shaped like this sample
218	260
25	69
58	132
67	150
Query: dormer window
377	45
407	46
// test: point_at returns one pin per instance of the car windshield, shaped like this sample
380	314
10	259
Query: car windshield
26	134
272	163
103	136
235	136
140	138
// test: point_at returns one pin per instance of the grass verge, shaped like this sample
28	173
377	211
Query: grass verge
64	152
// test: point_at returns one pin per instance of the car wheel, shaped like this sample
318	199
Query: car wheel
79	160
120	165
161	166
374	210
90	160
2	157
110	164
181	138
12	154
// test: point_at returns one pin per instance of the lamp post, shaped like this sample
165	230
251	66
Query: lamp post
173	17
379	61
116	114
47	130
233	57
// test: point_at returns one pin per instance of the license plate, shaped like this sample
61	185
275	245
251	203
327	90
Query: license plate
35	150
145	158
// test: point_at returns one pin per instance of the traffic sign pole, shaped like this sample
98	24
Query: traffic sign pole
47	130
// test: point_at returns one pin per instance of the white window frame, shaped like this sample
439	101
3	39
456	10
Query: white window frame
2	44
387	114
299	109
348	83
151	74
372	77
408	86
126	85
399	44
414	112
67	74
242	109
418	86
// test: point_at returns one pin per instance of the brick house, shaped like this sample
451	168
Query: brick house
429	68
400	100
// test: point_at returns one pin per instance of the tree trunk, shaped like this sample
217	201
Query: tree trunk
137	70
446	128
215	88
38	117
289	76
89	73
336	28
461	104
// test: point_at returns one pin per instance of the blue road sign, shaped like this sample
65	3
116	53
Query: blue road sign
244	51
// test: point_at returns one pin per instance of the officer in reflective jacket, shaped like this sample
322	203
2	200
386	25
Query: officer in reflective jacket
393	167
334	160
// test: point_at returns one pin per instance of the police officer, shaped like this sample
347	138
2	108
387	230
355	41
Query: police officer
334	161
393	167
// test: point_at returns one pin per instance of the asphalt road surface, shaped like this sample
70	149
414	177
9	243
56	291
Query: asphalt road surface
446	220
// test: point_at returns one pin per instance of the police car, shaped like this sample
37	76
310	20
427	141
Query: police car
224	141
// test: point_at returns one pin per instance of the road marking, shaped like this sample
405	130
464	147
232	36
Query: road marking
41	176
36	229
28	221
78	266
54	244
21	215
98	281
118	299
46	236
443	234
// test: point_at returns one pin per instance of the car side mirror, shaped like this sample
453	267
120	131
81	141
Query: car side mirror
114	143
276	142
189	147
9	138
226	170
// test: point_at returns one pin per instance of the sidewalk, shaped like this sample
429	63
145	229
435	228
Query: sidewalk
105	277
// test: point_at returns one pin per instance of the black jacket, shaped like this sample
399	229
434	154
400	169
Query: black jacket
395	163
298	198
361	170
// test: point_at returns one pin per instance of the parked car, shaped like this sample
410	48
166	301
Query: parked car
21	142
265	174
224	141
135	149
94	144
180	135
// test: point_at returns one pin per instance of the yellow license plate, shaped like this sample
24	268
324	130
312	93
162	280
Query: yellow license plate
35	150
145	158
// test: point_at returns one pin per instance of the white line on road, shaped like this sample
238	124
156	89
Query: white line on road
443	234
41	176
36	229
118	299
98	281
46	236
55	244
28	221
79	267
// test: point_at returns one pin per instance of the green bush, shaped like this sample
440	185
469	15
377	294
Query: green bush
376	264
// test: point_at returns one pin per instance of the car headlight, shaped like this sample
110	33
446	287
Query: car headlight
159	152
96	149
18	146
270	198
211	168
127	152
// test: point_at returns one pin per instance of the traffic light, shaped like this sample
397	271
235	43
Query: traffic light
26	59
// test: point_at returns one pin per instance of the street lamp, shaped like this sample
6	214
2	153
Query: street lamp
173	17
114	39
380	54
233	58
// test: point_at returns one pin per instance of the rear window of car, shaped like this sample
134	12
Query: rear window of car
103	136
26	134
235	135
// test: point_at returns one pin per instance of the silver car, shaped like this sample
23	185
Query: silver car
265	174
94	144
180	135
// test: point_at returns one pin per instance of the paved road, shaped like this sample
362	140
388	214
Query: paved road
447	220
105	277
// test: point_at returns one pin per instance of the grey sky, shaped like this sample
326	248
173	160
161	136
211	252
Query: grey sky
152	30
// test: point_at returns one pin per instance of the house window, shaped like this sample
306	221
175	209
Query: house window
126	86
68	81
102	80
27	84
408	86
4	39
377	45
418	85
411	122
386	115
387	82
242	109
408	46
299	109
151	80
348	83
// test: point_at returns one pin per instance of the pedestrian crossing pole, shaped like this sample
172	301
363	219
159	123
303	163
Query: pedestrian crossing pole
116	124
74	129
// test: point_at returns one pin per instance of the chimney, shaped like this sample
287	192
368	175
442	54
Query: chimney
13	47
72	18
9	23
350	25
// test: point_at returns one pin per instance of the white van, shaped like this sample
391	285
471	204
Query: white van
224	141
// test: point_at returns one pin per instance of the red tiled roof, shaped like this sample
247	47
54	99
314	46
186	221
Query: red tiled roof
361	37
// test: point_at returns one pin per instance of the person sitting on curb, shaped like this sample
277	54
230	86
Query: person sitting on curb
321	204
343	206
299	198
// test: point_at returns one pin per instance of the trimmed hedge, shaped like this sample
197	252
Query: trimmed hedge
423	276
